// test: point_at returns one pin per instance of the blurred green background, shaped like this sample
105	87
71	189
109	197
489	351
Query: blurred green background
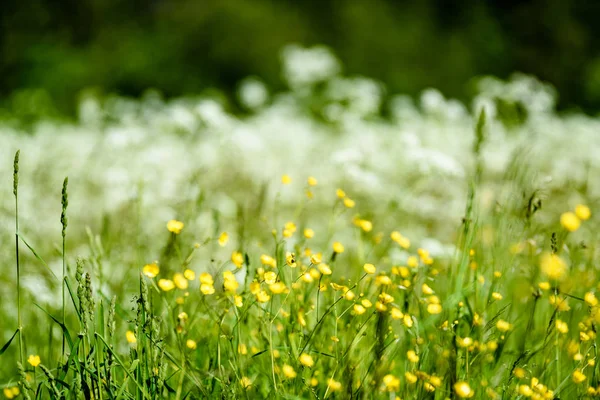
183	47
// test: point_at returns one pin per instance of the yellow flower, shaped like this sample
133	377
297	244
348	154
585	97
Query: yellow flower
286	179
366	303
591	299
503	326
553	266
246	382
412	356
268	260
334	385
237	258
12	392
578	376
434	308
315	259
166	285
207	288
385	298
570	221
312	181
426	289
562	326
340	193
338	247
391	383
189	274
525	390
496	296
180	281
191	344
230	284
175	226
583	212
290	259
223	239
324	269
130	336
544	285
464	342
410	377
306	360
151	270
396	313
288	371
309	233
277	287
412	262
407	320
349	203
364	224
369	268
401	240
359	309
270	277
262	296
238	300
206	278
463	390
289	229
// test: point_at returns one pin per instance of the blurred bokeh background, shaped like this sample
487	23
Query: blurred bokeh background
182	47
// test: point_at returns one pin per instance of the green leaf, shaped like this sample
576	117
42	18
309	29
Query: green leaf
36	255
3	349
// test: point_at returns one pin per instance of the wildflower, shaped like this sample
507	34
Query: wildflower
262	297
434	308
312	181
396	313
435	381
359	309
175	226
553	266
223	239
288	371
391	383
309	233
369	268
180	281
206	278
324	269
315	259
412	356
270	277
583	212
578	376
400	240
189	274
349	203
191	344
562	326
151	270
230	284
246	382
503	326
407	321
289	229
544	285
366	303
166	285
385	298
340	193
11	392
519	372
129	335
426	289
591	299
381	307
525	390
286	179
277	288
268	260
463	390
238	301
570	221
464	342
306	360
338	247
334	385
412	262
497	274
207	288
349	295
410	377
237	259
364	224
242	349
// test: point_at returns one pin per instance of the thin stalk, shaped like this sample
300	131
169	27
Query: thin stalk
63	221
16	193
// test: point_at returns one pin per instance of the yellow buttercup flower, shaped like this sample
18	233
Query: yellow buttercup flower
175	226
369	268
189	274
151	270
166	285
237	259
290	259
191	344
288	371
312	181
391	383
578	376
309	233
583	212
34	360
338	247
553	266
306	360
223	239
268	260
463	390
570	221
349	203
286	179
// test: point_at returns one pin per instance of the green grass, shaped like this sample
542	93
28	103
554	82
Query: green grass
511	313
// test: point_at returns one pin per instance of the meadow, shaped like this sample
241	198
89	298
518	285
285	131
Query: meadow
328	241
